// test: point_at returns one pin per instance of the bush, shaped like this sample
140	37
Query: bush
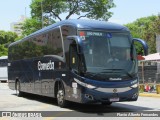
141	88
158	88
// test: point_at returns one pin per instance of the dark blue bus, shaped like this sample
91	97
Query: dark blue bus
82	61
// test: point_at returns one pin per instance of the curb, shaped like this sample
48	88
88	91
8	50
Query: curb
149	95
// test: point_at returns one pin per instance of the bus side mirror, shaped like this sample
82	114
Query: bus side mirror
77	41
143	43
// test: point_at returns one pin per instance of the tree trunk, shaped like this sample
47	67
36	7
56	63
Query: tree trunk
158	42
158	50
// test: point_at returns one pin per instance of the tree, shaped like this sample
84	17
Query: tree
5	39
53	9
156	26
30	25
144	28
3	50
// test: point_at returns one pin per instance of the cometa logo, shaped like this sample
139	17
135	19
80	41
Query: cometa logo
45	66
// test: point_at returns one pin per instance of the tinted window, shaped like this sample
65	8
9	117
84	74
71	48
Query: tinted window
55	42
68	31
49	43
3	62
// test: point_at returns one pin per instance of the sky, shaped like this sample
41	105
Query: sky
126	11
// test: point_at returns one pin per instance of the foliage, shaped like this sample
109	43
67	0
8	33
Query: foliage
141	88
156	24
30	25
3	50
139	48
5	39
145	28
52	9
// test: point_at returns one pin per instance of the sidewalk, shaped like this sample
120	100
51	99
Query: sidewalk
149	94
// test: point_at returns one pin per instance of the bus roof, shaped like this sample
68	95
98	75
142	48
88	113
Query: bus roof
85	24
81	24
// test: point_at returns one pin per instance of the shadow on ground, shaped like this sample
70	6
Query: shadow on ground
89	109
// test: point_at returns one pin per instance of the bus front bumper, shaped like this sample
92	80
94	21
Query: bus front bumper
95	95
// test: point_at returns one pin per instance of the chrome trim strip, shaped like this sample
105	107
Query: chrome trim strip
111	90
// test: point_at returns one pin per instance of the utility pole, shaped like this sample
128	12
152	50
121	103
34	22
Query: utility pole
42	12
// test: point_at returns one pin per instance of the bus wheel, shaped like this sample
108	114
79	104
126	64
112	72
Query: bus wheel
18	87
106	103
61	97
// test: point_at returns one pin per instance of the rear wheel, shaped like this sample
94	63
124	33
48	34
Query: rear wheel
18	89
61	96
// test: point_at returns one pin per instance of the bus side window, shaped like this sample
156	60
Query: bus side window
73	58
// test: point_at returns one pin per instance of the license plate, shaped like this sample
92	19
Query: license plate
114	99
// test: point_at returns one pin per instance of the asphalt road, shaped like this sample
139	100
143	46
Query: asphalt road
10	102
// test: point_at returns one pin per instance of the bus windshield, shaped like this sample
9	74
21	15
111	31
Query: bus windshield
108	55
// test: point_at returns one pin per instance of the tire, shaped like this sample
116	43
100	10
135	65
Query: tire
18	89
61	97
106	103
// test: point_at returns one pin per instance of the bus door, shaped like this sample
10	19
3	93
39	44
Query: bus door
37	77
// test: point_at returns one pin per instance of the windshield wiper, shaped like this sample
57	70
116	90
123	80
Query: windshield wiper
92	74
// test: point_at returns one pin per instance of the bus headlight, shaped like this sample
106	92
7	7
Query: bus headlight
134	86
84	84
134	83
90	86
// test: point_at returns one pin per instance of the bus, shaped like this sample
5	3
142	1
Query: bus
3	69
83	61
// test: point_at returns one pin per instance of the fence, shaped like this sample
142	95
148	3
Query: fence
148	72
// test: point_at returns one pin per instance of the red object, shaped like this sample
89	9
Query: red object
82	33
147	87
139	57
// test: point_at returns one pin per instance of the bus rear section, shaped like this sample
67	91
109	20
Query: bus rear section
3	69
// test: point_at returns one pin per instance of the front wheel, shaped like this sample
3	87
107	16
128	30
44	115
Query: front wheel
61	97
